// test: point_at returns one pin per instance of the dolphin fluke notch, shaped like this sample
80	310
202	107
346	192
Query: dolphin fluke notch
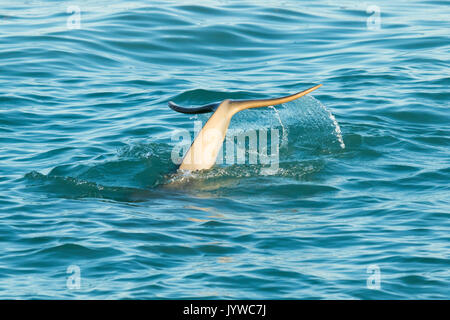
197	110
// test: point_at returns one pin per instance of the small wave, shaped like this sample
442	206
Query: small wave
74	188
128	177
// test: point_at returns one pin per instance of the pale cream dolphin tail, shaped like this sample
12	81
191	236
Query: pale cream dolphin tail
203	152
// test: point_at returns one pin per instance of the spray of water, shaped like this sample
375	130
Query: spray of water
285	133
337	128
311	123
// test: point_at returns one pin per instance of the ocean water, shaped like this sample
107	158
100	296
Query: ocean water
91	205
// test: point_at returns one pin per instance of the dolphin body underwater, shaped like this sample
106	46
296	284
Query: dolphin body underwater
203	152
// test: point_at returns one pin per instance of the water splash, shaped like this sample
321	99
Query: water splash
337	128
285	133
306	119
311	123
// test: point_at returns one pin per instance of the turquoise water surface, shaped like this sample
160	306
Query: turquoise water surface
91	205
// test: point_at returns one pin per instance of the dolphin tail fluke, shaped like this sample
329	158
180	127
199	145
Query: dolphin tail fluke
239	105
